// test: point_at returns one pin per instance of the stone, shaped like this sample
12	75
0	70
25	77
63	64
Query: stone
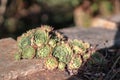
95	36
46	75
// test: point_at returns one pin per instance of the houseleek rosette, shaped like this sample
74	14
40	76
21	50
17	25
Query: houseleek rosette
61	66
28	52
75	62
52	43
51	63
79	47
44	51
24	41
63	52
18	56
40	37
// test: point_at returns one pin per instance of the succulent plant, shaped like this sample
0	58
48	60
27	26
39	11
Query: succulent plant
40	37
79	47
17	56
46	28
43	51
51	46
75	62
24	41
51	63
86	56
86	45
61	66
59	36
52	43
97	58
28	52
78	43
63	52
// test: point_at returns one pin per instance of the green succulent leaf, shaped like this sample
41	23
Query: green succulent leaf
79	47
51	63
61	66
86	56
75	62
24	41
77	50
43	51
52	43
28	52
63	52
40	37
78	43
18	56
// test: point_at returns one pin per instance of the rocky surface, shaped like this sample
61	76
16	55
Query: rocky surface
32	69
96	36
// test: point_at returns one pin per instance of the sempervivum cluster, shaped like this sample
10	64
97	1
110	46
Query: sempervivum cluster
51	46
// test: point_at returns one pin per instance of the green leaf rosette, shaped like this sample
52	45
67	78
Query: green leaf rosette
51	63
40	37
61	66
75	62
23	42
28	52
79	47
18	56
63	52
44	51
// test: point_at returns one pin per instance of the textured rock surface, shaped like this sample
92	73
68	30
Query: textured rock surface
32	69
94	35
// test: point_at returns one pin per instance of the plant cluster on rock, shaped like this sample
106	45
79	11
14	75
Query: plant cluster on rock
57	51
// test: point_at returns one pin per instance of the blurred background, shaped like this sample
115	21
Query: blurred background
18	16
